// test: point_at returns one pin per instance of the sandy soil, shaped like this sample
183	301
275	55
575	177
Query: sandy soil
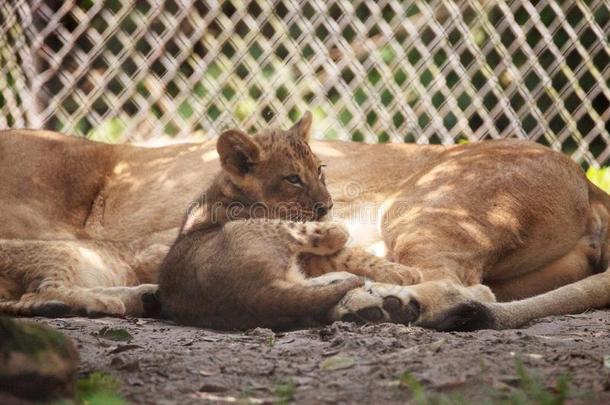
341	363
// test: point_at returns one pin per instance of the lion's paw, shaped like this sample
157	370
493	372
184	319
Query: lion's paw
321	238
328	238
377	302
101	305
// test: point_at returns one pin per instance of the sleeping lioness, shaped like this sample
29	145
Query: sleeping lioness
85	226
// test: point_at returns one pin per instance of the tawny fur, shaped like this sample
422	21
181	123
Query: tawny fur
240	261
509	215
264	277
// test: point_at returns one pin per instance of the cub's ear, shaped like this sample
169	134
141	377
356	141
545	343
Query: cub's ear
302	127
237	152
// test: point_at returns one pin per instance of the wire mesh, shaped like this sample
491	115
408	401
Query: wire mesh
434	71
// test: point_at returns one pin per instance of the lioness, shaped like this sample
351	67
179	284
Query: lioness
85	225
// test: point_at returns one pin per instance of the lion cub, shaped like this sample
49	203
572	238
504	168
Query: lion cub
241	258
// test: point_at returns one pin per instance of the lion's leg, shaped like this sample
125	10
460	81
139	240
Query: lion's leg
447	305
63	301
280	294
589	293
418	304
322	250
358	261
311	296
73	300
318	238
61	277
10	287
330	278
137	300
574	283
585	259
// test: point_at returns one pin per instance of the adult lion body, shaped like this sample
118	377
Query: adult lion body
513	215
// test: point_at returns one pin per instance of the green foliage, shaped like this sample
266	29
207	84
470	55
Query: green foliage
115	334
420	396
99	389
244	109
271	340
216	78
532	391
30	338
109	131
284	392
529	390
600	177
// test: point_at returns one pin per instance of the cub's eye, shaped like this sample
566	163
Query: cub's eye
294	179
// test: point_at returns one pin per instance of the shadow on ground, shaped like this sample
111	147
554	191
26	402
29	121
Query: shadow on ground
162	363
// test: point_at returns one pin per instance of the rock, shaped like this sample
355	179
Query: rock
36	362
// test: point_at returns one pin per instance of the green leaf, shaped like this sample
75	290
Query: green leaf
117	335
99	389
109	131
285	392
418	392
600	177
244	109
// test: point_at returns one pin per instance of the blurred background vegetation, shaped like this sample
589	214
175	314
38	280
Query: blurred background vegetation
403	71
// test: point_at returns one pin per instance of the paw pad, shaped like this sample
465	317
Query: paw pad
378	302
372	314
351	318
391	303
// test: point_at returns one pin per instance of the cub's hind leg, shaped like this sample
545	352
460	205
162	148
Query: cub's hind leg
257	282
302	302
315	296
291	239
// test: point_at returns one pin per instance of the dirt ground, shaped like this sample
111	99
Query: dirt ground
344	362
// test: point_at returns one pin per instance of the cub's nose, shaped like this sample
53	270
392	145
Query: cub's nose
322	209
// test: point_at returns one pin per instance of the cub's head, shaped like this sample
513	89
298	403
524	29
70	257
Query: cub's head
276	172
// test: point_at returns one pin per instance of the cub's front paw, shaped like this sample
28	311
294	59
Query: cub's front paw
377	302
326	238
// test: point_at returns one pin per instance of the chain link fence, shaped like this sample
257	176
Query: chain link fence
433	71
